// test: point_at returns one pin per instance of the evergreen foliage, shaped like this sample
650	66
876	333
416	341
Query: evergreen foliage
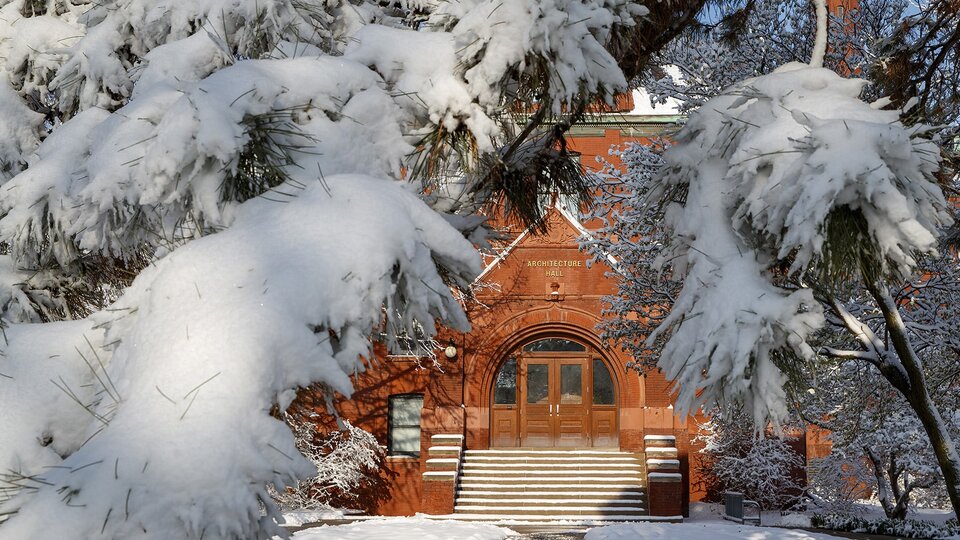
781	210
227	198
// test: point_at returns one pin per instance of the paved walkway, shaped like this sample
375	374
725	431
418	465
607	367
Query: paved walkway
855	536
529	532
555	536
561	533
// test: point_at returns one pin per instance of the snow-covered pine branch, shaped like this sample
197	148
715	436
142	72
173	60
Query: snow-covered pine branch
818	206
789	174
175	434
245	161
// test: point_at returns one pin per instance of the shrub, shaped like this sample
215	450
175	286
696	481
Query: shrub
350	469
906	528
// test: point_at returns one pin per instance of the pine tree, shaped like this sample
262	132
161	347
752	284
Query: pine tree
779	196
221	201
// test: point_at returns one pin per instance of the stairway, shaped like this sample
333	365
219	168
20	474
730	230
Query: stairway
541	485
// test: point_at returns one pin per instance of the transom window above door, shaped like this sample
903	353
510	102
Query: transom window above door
554	345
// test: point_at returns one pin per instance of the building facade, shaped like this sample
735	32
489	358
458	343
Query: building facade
531	413
532	390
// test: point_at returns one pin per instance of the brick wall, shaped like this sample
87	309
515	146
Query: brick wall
438	495
406	488
665	496
657	390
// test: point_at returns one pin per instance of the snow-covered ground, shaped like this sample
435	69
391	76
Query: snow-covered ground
302	517
703	512
425	529
406	528
933	515
698	531
705	523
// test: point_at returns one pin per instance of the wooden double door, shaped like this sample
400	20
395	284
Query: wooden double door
554	392
555	406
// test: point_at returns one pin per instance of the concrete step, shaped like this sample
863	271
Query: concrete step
518	502
552	510
661	452
545	484
500	496
443	464
552	472
444	450
609	482
531	452
552	465
663	465
585	460
559	487
539	520
668	441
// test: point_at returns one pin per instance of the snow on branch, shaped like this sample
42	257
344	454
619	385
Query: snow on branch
242	159
182	376
788	177
559	44
175	162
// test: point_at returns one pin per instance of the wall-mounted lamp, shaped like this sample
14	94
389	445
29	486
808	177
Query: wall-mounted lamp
451	351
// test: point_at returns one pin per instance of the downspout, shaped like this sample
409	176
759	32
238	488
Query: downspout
463	388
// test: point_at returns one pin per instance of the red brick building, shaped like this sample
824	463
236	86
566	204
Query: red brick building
532	413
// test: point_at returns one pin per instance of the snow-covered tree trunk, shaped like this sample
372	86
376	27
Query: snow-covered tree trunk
784	186
893	499
906	375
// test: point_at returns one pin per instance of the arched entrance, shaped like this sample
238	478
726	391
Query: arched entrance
554	392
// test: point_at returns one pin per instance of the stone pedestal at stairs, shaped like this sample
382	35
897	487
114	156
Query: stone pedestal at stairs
664	480
440	476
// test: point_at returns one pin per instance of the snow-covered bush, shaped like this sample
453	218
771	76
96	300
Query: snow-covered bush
756	38
838	484
892	463
879	448
764	467
350	468
904	528
632	237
